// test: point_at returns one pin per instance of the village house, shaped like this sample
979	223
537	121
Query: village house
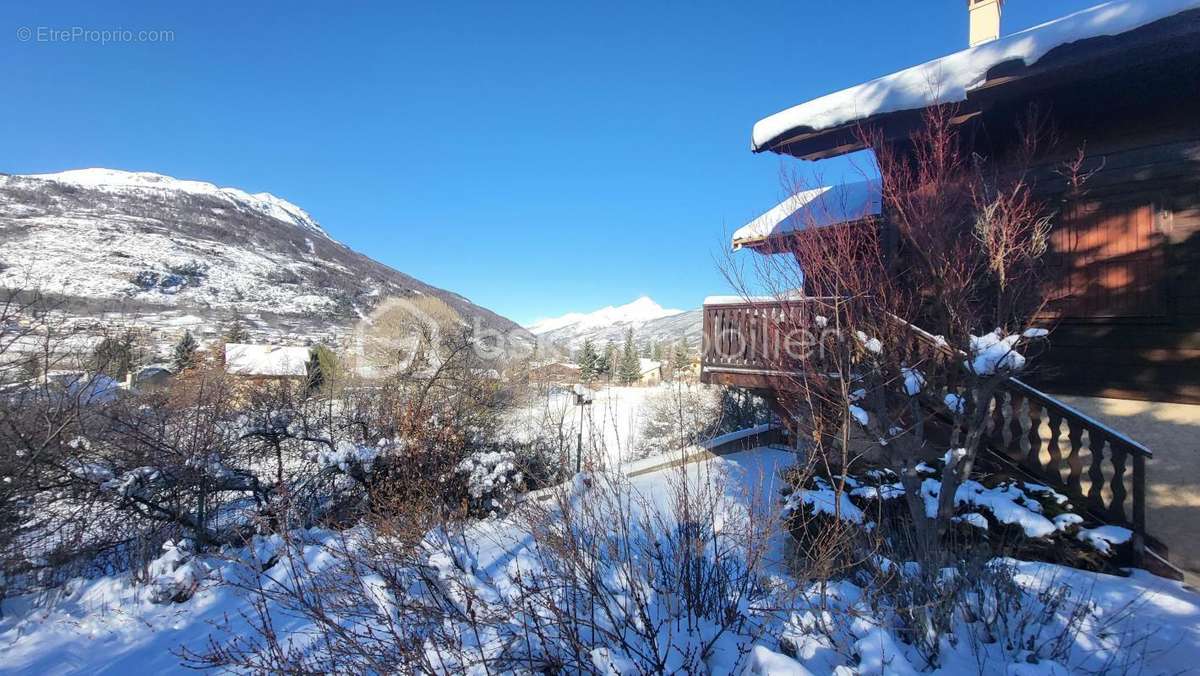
267	362
554	373
650	372
1121	82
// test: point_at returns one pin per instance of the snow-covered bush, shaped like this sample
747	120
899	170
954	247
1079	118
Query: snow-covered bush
985	616
176	574
863	511
677	415
603	579
490	481
741	409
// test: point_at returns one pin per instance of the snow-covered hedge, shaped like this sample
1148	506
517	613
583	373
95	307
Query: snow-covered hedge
1004	515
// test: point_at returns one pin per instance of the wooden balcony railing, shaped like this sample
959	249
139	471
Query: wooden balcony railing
749	344
1073	453
754	338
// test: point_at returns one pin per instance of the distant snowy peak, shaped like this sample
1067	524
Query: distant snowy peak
638	312
115	180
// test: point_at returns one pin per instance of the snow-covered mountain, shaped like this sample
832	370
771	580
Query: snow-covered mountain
173	253
649	321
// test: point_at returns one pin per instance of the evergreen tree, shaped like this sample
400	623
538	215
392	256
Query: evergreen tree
681	361
115	356
235	330
184	355
588	362
322	367
656	351
631	368
312	369
606	365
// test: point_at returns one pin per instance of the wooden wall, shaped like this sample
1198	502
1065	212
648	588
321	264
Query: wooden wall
1147	347
1136	333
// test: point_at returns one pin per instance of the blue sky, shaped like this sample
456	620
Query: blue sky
536	157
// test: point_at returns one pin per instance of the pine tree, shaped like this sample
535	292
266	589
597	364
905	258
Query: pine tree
656	351
235	331
115	356
588	358
681	361
322	367
631	367
184	356
312	368
606	364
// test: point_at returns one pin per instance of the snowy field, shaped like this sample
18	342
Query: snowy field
611	423
109	626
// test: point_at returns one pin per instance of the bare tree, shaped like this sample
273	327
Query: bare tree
913	318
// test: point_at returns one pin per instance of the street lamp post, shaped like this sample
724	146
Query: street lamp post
583	397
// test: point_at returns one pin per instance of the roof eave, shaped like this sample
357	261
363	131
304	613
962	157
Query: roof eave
1098	56
779	242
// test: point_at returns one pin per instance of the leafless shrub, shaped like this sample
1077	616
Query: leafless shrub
917	318
99	475
606	577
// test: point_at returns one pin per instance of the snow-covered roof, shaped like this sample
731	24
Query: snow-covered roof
816	208
949	78
648	365
266	360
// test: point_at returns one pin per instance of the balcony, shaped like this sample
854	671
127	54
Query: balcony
751	342
756	344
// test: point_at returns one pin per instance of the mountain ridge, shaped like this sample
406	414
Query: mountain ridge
180	253
649	320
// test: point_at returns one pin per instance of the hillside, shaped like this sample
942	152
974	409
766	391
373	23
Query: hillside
649	320
165	253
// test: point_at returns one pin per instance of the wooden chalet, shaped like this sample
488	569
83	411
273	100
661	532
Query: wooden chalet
1126	307
1121	81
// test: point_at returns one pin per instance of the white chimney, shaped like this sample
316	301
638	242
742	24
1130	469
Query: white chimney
985	20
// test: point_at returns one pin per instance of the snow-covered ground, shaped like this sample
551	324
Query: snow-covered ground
110	626
611	423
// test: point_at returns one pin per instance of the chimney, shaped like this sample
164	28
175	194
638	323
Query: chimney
985	20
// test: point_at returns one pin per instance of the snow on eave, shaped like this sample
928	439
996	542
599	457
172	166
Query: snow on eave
949	78
816	208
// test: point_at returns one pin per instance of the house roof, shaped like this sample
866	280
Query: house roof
648	365
266	360
816	208
556	365
951	78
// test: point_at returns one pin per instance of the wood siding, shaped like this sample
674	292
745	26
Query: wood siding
1126	309
1106	262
